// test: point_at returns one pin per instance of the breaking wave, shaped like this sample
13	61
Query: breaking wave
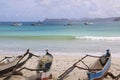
63	37
98	38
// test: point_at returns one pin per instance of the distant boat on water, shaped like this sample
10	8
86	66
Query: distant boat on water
37	23
17	24
69	24
88	23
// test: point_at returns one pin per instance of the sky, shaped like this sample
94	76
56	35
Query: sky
34	10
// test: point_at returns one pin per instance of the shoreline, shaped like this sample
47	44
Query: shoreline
68	54
60	64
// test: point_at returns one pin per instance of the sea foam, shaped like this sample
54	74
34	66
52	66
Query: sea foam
98	38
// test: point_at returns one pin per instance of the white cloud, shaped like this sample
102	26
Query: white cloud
37	9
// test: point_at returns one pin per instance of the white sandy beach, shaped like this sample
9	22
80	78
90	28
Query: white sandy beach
60	64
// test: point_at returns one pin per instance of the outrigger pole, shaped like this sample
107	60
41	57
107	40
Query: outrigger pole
62	76
5	58
17	64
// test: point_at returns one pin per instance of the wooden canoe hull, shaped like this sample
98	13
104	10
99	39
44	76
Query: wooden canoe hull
101	78
7	68
99	75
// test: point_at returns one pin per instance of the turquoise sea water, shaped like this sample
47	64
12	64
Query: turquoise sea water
98	29
61	39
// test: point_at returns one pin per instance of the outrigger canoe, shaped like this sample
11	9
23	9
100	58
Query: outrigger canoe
95	72
6	68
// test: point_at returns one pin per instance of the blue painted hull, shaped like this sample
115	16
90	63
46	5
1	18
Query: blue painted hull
98	75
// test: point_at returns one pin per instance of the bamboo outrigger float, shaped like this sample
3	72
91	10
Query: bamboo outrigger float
96	72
